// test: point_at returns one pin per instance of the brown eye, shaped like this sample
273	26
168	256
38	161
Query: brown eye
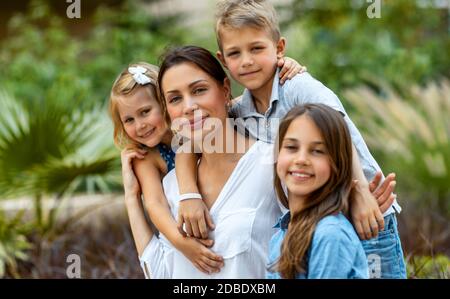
199	90
318	151
290	147
174	99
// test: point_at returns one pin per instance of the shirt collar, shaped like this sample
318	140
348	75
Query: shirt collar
283	221
247	99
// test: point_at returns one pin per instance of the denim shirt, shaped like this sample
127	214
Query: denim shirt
335	250
301	89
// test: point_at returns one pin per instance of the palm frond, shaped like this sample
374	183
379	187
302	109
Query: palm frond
50	148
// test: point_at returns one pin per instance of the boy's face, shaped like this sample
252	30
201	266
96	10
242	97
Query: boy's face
250	55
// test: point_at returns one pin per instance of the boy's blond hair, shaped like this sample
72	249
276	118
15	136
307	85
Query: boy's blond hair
236	14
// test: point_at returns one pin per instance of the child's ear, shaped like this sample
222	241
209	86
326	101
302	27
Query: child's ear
221	58
281	47
227	88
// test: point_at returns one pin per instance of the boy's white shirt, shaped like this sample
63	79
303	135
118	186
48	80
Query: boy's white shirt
244	214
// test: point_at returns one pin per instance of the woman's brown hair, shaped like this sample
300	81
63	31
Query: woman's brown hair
331	198
198	56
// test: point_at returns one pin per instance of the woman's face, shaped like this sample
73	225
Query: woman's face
196	102
142	118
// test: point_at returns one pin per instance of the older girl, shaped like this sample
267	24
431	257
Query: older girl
315	239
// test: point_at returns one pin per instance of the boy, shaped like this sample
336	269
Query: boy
250	42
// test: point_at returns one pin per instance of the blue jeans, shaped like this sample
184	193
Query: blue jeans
384	253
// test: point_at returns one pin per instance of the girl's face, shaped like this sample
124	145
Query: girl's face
195	101
142	118
303	162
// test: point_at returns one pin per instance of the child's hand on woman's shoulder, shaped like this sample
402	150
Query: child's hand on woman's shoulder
289	68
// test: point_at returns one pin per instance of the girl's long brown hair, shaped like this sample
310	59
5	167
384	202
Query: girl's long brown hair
331	198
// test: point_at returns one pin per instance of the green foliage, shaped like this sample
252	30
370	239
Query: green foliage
42	59
51	150
412	137
429	267
13	243
343	47
55	135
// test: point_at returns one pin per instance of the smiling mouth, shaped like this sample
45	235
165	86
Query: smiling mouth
196	124
300	176
249	73
148	133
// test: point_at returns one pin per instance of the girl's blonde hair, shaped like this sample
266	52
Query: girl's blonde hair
331	198
126	85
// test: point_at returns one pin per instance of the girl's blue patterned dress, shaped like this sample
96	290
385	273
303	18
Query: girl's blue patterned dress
168	155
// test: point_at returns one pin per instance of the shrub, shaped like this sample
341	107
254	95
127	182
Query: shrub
343	47
410	137
13	244
429	267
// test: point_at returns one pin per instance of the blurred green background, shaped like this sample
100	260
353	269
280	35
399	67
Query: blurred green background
392	74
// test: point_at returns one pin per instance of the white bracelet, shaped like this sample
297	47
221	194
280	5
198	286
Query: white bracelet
190	196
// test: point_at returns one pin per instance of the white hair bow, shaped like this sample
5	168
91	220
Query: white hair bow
139	76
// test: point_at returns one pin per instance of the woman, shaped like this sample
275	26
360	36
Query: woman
236	185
